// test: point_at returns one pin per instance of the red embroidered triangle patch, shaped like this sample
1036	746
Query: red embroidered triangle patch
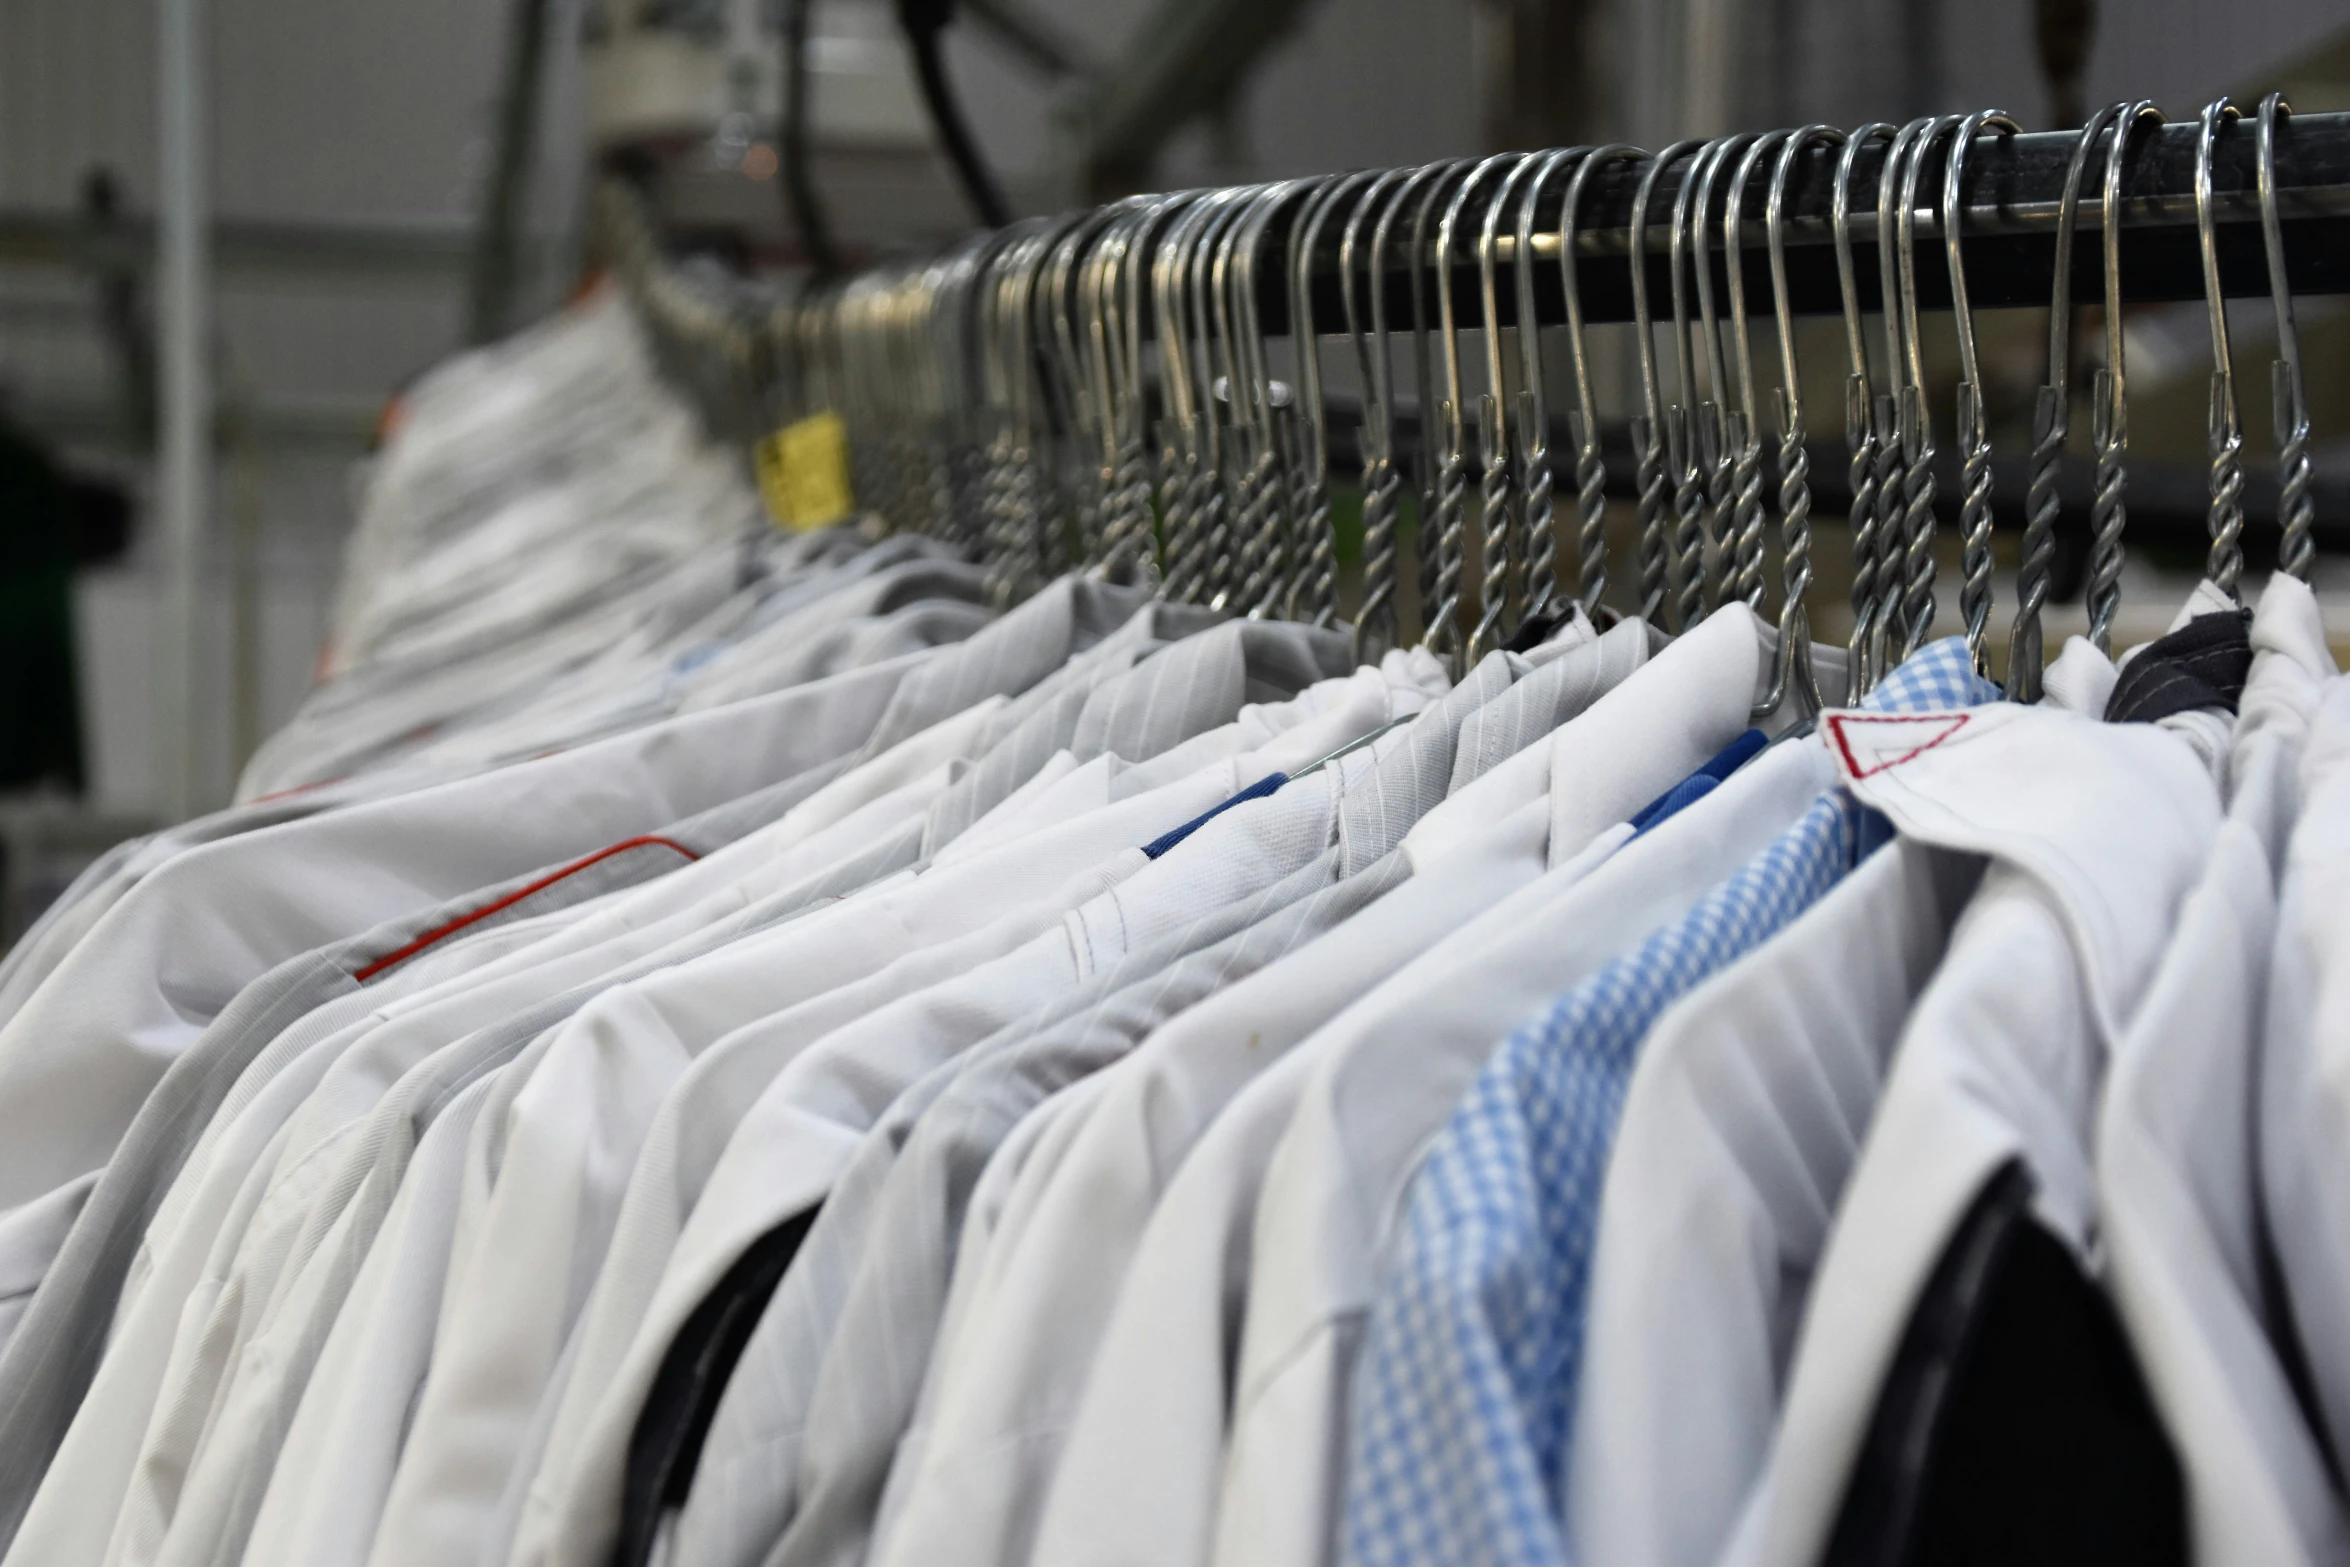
1870	743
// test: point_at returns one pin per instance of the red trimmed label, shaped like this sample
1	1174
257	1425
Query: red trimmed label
1871	743
443	932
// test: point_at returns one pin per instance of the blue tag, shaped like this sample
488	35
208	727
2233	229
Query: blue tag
1256	791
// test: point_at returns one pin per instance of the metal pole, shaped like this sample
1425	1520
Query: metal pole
498	239
185	477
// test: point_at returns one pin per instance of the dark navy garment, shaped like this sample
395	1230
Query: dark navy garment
1701	783
2202	664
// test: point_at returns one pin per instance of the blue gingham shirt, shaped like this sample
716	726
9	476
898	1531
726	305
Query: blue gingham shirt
1464	1393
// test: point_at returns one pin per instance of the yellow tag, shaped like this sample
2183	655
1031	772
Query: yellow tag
804	473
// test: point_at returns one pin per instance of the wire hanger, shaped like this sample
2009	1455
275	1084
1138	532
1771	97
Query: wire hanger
1267	541
1504	562
1917	427
2296	509
1134	545
2225	567
1102	306
1236	540
1212	567
1747	511
1688	420
1721	425
1974	437
1861	427
1426	271
1792	671
1892	572
1179	438
1536	483
1314	595
2110	429
1651	432
1382	482
2051	424
1590	469
1443	634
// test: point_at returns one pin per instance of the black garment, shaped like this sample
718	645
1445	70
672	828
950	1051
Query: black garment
2202	664
2014	1426
40	707
666	1446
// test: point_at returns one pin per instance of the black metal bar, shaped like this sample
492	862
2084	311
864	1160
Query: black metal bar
2168	500
2012	191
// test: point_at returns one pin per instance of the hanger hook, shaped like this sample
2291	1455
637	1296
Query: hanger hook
1974	436
1917	428
1747	512
1590	468
1722	420
1649	433
1180	441
1313	553
1273	548
1022	514
1136	545
1442	633
1073	375
2108	514
1259	565
1224	421
1791	663
1689	425
1892	472
1096	306
1125	480
1382	484
1314	589
1493	421
1427	273
1860	433
1194	505
2296	509
2226	565
1535	480
2051	425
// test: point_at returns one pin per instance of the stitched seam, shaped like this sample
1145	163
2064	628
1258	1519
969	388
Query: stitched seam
1838	723
2223	657
443	932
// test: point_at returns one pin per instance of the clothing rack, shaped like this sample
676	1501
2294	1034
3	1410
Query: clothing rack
2013	192
1029	1029
2014	187
1104	388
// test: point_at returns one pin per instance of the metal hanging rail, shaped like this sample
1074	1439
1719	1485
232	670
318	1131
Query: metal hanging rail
2012	188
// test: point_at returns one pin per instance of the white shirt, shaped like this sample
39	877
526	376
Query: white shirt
1003	1408
83	1485
759	1420
1386	1080
1145	1453
79	1056
336	1145
2098	832
783	1154
2175	1152
1012	891
2302	1107
326	1492
575	1132
1741	1121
